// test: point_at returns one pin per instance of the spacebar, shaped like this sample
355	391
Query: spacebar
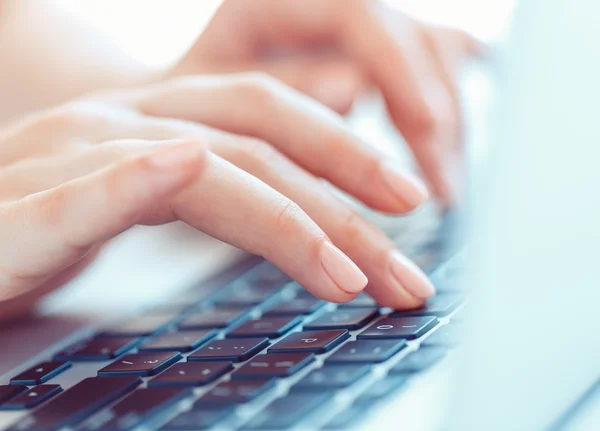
77	403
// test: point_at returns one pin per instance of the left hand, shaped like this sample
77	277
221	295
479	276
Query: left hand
334	49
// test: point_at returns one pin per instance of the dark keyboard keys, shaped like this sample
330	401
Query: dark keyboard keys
286	412
214	318
448	335
33	397
362	300
273	365
150	324
185	341
381	389
141	364
270	327
345	318
40	373
97	349
192	374
332	377
295	307
420	360
266	274
10	391
400	327
197	419
77	403
235	392
234	350
372	351
440	305
311	341
138	407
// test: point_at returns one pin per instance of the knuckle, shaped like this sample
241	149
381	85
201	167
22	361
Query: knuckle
287	217
260	153
352	226
259	87
74	116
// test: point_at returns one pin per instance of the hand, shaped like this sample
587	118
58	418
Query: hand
334	49
244	170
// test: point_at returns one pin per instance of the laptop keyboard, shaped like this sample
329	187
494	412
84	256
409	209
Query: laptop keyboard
259	354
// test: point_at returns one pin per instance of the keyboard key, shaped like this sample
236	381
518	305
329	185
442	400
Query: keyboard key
192	374
273	365
40	373
235	392
400	327
345	318
242	293
33	397
77	403
420	360
440	305
266	274
311	341
150	324
141	364
367	351
178	341
214	318
9	391
332	377
448	335
295	307
138	407
197	419
381	389
97	349
270	327
362	300
235	350
286	412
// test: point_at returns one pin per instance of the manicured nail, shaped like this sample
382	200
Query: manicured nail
342	271
175	155
407	188
409	276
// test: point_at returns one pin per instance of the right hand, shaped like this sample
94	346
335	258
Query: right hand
76	176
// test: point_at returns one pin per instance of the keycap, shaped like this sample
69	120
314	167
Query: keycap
185	341
332	377
141	364
311	341
234	350
197	419
440	305
97	349
214	318
295	307
150	324
77	403
235	392
270	327
400	327
138	407
192	374
9	391
33	397
381	389
345	318
420	360
362	300
367	351
266	274
448	335
273	365
286	412
40	373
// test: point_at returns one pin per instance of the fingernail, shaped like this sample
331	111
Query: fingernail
175	155
342	271
406	187
410	277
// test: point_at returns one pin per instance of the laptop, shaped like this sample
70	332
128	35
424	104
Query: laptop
172	331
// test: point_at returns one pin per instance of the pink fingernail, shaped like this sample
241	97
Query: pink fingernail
406	187
410	277
342	271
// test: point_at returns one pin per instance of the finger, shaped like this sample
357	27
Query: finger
305	131
46	232
393	280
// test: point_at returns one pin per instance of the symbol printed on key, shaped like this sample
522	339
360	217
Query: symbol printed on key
409	326
181	372
33	394
385	327
39	370
206	372
151	362
284	364
127	362
259	364
309	340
